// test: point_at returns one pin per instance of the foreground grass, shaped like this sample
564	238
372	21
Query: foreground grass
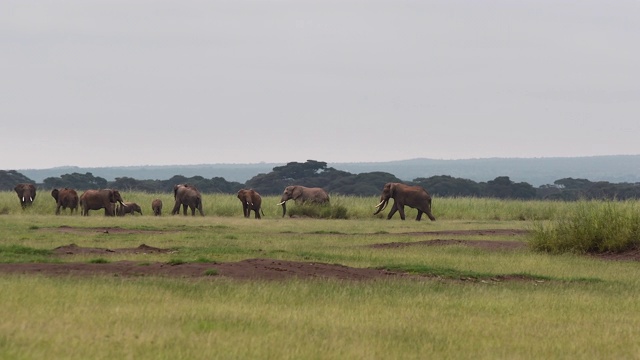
168	318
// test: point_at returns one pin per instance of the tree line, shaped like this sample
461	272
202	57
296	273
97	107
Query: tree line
317	174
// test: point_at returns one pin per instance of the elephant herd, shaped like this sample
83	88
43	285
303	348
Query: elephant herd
188	196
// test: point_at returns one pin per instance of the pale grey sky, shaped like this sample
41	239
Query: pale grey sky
110	83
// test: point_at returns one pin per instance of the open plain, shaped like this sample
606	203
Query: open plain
222	286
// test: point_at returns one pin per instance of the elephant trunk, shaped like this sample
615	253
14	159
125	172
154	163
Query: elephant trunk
284	208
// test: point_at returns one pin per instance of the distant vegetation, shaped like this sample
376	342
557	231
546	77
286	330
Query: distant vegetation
318	174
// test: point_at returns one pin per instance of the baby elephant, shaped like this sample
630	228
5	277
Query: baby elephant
251	200
128	208
156	205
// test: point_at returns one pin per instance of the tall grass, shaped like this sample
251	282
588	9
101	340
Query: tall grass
351	207
591	226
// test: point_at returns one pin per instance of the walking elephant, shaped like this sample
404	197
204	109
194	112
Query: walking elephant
100	199
413	196
26	194
302	195
250	200
187	195
65	198
128	208
156	206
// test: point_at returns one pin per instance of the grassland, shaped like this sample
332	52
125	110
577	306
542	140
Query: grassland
564	306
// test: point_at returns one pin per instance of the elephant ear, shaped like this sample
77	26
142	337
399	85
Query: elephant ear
297	192
175	191
392	189
18	188
33	191
55	193
112	196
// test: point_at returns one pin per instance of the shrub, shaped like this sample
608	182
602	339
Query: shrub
591	227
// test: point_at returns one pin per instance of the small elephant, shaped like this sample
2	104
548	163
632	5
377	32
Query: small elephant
65	198
156	206
413	196
128	208
303	195
100	199
187	195
26	194
250	200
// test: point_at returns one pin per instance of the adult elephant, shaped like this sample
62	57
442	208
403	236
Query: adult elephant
26	194
156	206
187	195
128	208
413	196
100	199
250	200
302	195
65	198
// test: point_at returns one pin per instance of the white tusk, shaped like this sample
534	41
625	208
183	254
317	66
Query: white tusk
381	202
280	203
31	199
23	199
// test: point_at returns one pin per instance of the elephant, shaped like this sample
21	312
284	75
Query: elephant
250	200
128	208
100	199
156	206
187	195
302	195
26	194
413	196
65	198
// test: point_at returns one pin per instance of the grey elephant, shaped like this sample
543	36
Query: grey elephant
187	195
250	200
302	195
100	199
413	196
65	198
156	206
128	208
26	194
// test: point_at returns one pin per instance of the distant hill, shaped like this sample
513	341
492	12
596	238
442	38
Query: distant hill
535	171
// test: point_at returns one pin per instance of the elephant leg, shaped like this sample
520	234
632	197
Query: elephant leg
58	210
419	215
193	210
401	211
184	209
257	211
392	212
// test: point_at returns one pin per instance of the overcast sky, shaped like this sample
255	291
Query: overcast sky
110	83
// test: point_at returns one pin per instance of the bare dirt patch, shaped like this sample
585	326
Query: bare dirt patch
73	249
250	269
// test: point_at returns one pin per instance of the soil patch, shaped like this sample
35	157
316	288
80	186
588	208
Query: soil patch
73	249
250	269
486	232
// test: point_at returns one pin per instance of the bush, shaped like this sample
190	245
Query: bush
591	227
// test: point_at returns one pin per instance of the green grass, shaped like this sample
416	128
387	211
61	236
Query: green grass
558	305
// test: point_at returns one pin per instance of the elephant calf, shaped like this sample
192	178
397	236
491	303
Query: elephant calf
128	208
156	206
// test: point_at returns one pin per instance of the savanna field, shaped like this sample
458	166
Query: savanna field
490	279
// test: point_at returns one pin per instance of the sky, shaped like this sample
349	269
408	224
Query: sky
126	83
